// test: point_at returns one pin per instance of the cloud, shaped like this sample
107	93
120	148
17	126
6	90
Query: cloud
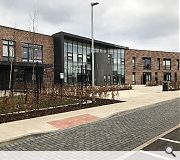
143	24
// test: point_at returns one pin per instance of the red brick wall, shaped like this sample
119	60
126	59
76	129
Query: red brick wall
139	54
20	36
23	36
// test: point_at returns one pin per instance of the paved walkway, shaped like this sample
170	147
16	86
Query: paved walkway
120	132
138	97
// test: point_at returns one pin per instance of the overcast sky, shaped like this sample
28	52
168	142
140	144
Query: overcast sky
140	24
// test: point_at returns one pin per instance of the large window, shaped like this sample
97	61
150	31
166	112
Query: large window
32	53
8	50
147	63
167	64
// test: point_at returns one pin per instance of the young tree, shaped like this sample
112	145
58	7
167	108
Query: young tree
11	58
33	40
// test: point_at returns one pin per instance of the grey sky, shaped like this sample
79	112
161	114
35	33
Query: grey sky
141	24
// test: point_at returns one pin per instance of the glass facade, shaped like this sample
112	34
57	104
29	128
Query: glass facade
32	53
118	65
77	62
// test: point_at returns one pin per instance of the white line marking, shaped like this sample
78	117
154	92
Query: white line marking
169	140
155	138
155	155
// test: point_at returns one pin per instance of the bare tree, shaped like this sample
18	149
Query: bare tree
12	54
33	53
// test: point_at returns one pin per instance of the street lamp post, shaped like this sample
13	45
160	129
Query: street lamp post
92	37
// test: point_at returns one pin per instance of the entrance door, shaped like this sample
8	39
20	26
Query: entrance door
167	76
146	77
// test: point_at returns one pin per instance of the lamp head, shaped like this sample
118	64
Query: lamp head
94	3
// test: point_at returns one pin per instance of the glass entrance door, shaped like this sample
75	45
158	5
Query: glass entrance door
146	77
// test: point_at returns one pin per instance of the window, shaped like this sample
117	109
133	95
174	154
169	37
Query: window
133	78
133	62
147	63
84	53
105	79
109	79
177	64
122	53
38	53
88	49
8	50
158	63
109	58
89	59
75	51
167	76
80	58
32	53
122	61
167	64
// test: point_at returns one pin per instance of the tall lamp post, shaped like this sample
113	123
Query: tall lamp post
92	37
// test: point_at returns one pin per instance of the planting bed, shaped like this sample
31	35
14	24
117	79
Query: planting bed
54	110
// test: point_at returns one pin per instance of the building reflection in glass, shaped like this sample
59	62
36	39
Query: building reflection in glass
77	62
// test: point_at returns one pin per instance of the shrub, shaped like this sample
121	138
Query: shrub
152	83
174	86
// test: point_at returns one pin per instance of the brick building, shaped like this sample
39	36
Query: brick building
23	51
142	66
34	57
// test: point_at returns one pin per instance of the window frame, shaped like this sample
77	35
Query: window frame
158	63
133	77
8	45
165	64
30	46
145	67
133	62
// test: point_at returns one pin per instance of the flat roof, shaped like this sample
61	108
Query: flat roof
81	38
160	51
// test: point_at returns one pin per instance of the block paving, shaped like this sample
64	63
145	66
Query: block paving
122	131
